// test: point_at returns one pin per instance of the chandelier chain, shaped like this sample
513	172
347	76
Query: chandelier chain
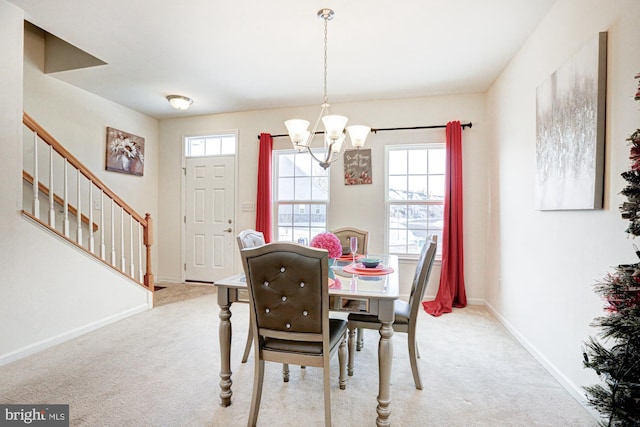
325	98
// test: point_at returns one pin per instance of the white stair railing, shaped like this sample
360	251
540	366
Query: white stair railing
78	205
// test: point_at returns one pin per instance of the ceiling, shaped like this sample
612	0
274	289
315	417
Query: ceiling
247	55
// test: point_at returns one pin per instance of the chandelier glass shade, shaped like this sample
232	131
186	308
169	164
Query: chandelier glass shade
334	125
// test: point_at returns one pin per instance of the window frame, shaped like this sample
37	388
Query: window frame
276	202
210	135
426	203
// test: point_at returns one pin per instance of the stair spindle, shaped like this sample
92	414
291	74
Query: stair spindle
52	207
35	207
79	210
65	205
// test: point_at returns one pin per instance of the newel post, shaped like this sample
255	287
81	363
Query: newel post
148	241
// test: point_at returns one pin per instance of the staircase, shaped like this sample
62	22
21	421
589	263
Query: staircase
64	197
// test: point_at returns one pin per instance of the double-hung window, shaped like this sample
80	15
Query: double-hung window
301	196
414	196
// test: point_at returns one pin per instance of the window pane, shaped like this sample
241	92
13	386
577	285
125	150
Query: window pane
436	187
437	160
417	162
397	162
228	145
303	165
320	188
398	187
417	187
302	189
285	188
196	147
285	165
284	216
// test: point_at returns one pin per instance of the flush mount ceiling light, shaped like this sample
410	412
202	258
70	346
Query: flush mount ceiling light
334	134
179	102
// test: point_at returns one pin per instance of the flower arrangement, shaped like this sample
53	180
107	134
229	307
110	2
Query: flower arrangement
328	241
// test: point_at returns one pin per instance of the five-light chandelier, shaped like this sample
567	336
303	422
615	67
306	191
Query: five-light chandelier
334	125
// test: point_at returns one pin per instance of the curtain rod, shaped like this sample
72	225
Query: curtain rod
463	125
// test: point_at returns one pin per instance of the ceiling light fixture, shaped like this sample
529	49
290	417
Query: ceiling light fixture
179	102
334	134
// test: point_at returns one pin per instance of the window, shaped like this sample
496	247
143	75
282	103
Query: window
414	196
210	145
301	196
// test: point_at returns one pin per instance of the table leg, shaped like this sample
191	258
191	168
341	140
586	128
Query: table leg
224	333
385	356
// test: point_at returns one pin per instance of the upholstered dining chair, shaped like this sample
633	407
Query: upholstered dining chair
289	305
345	234
406	313
250	239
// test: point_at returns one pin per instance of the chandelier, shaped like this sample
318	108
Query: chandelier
334	125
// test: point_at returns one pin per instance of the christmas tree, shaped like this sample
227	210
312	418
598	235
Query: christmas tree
616	357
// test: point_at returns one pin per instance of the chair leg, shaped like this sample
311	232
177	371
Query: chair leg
342	356
247	347
258	378
285	372
360	343
352	338
411	339
327	391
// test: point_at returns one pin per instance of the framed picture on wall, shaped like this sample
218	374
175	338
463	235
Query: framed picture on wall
125	152
570	131
357	167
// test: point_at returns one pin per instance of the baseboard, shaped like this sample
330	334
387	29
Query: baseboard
168	279
575	391
58	339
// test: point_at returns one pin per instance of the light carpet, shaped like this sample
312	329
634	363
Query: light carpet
161	368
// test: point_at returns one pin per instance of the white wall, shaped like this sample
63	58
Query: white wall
361	205
542	265
49	292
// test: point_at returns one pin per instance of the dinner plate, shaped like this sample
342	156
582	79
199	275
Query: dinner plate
361	267
367	271
349	257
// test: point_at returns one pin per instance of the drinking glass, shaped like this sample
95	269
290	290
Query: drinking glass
354	247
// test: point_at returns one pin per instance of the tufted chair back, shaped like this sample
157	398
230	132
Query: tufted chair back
288	286
250	239
345	234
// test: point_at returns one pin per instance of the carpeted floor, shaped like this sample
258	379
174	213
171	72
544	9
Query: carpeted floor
160	368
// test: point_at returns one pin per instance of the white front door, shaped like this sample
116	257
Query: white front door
209	212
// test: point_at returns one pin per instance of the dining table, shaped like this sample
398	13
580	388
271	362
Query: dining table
354	288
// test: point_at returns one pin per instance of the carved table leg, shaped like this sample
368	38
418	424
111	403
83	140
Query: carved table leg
385	356
224	332
352	335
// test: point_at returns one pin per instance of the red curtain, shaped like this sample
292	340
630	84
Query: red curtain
263	204
451	292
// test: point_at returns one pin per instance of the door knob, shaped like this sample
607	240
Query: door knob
228	230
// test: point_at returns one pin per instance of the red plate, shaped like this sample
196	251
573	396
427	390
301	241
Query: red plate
361	267
367	271
349	257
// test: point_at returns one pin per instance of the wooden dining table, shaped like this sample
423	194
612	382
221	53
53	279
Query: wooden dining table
362	291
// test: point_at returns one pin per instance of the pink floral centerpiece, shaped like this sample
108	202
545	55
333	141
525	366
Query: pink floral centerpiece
331	243
328	241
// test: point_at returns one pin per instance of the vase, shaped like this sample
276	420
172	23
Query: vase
332	275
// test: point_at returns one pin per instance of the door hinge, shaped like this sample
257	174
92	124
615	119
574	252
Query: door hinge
185	219
185	171
185	266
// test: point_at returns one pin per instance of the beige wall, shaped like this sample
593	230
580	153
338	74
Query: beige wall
361	205
542	265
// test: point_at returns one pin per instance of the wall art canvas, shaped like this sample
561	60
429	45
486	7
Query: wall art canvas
125	152
357	167
570	132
